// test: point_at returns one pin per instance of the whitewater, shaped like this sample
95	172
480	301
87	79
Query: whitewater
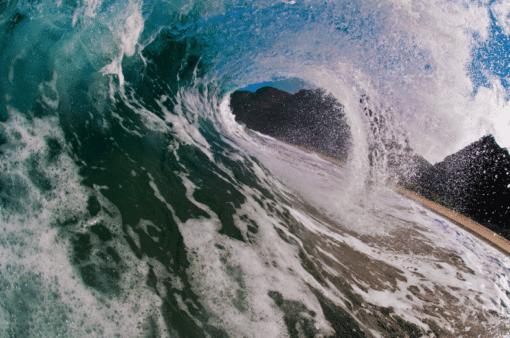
132	204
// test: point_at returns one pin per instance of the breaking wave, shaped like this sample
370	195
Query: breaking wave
132	203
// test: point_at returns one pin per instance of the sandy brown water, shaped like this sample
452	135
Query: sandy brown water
481	232
461	221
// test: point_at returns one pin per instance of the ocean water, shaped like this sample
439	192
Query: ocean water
133	205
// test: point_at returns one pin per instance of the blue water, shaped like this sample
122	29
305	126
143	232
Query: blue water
133	205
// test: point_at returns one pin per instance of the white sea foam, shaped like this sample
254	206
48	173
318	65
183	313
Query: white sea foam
35	251
184	120
384	215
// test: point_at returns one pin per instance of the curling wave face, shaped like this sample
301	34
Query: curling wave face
132	204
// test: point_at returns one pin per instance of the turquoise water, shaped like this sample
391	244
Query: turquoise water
133	205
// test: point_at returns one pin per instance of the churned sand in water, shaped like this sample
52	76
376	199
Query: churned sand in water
463	222
460	220
486	235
